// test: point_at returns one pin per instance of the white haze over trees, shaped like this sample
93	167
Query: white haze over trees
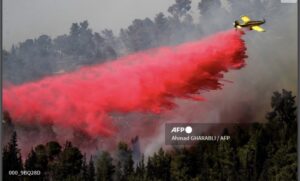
272	62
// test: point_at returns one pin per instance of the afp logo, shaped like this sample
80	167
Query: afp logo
187	129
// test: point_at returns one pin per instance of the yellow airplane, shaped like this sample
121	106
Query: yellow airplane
248	23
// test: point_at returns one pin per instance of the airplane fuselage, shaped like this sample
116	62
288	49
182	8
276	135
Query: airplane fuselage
251	23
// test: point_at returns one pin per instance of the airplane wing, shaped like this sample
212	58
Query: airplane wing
258	28
245	19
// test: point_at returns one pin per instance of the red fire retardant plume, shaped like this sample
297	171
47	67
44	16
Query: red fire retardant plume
141	82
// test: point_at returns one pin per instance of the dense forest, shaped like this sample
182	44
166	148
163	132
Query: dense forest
261	151
36	58
42	56
266	150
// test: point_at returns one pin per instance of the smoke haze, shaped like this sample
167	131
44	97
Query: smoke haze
271	66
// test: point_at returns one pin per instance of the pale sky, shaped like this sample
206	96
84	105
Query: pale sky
23	19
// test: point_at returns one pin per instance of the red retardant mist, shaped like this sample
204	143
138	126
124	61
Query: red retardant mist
141	82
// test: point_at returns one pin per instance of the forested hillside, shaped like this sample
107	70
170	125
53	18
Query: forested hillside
262	151
41	56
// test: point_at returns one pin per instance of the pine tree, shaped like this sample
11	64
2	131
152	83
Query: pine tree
53	150
31	161
105	168
42	158
140	171
91	170
12	160
159	166
281	130
69	164
179	168
84	170
124	167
